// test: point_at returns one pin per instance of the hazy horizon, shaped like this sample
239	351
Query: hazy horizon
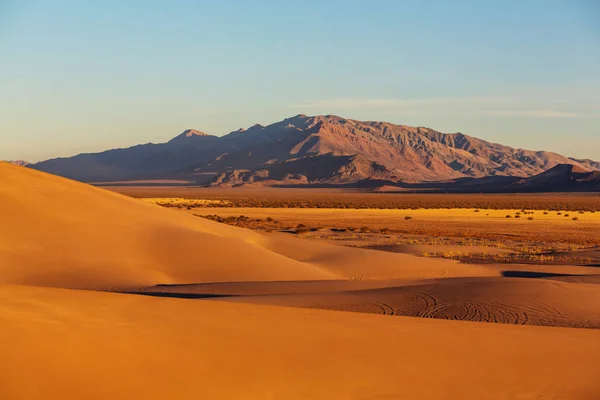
90	77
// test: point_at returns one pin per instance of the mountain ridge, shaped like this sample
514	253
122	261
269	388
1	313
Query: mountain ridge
262	153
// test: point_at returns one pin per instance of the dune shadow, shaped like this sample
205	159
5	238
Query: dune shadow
533	274
180	295
175	285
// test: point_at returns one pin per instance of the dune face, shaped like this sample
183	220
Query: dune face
500	300
62	233
162	349
75	344
313	150
57	232
231	333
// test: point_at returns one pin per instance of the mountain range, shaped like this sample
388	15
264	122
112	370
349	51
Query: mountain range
316	150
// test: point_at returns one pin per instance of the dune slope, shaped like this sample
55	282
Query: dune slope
62	233
122	346
57	232
57	342
504	300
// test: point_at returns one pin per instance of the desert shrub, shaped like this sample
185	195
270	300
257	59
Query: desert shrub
364	229
545	212
508	216
575	219
408	217
566	215
517	216
476	211
269	219
530	218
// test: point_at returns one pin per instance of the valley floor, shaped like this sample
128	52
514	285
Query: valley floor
476	235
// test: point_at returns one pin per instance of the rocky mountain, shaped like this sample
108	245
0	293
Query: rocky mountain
563	177
313	150
310	169
560	178
138	162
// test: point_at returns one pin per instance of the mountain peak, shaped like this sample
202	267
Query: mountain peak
189	134
193	132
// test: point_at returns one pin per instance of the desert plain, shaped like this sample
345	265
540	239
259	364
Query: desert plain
169	292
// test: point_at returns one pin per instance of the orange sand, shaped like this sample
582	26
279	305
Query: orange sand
57	235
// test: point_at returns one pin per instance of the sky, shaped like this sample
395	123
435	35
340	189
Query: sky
85	76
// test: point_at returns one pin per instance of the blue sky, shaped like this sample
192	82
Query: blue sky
80	76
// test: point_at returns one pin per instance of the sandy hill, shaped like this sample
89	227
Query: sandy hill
58	232
290	151
72	344
511	300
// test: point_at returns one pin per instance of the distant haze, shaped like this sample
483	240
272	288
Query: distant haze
87	76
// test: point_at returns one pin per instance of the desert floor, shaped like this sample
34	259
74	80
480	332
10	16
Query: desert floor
558	236
107	296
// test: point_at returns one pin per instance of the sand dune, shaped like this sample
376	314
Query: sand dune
58	232
60	343
354	263
57	342
504	300
229	289
590	279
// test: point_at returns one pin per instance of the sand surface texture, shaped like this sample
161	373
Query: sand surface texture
207	310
